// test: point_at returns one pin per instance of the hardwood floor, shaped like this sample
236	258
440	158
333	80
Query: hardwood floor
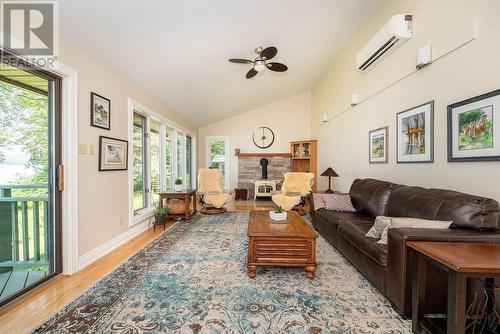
28	313
251	205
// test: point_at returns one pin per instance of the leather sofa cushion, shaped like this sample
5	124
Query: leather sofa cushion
466	211
334	218
370	196
327	222
354	231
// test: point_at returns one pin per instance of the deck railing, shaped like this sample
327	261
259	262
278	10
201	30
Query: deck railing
24	226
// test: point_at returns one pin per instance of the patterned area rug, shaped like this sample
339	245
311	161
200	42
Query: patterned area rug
193	279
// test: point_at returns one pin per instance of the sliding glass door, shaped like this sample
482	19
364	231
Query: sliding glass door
29	194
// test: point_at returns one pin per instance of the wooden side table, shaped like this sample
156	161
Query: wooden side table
460	261
186	195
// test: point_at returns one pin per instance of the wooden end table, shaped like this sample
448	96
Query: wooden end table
291	244
460	261
186	195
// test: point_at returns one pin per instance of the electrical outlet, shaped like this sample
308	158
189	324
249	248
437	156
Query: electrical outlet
121	220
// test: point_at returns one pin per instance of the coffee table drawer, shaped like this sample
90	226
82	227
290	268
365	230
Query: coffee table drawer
281	251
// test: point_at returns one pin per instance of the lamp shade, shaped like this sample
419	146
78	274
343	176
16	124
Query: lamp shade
329	172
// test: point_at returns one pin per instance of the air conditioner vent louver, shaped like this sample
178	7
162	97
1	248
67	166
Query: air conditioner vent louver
394	33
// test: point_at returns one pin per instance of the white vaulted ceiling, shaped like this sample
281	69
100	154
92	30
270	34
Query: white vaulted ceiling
178	50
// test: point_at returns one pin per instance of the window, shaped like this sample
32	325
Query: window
189	149
139	150
218	156
161	153
155	158
169	172
180	155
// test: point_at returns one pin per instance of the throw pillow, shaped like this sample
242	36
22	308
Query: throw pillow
338	202
319	202
400	222
378	228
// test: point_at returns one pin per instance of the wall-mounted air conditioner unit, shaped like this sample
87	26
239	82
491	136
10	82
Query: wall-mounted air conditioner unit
394	33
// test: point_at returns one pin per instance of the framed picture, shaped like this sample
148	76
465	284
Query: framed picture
474	129
379	152
113	154
100	111
415	134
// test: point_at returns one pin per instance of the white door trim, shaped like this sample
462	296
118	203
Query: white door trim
69	137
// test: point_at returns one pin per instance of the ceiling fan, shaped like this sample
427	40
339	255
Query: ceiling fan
260	63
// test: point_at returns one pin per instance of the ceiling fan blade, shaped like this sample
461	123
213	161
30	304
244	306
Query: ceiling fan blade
251	73
241	61
268	53
277	67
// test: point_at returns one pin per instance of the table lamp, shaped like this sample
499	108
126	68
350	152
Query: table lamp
330	173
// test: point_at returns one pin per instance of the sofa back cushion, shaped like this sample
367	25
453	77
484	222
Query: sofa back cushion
466	211
370	196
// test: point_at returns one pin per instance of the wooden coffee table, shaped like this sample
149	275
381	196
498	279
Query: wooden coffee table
291	244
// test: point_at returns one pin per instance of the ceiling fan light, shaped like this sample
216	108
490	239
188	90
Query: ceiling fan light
259	66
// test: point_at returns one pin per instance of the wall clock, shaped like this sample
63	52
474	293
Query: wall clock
263	137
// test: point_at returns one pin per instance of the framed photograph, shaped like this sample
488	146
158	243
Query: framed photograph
113	154
379	151
100	111
415	134
474	129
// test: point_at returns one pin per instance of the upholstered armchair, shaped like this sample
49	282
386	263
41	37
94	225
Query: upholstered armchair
295	192
211	193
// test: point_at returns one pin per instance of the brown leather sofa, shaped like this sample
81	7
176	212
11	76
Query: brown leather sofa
475	219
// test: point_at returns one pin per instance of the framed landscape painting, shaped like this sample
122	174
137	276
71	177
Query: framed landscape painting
113	154
415	134
100	111
474	129
379	145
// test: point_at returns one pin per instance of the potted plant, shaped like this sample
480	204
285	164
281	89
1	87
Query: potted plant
178	184
160	214
278	214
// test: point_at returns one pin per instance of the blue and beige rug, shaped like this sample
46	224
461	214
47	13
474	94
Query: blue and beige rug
193	279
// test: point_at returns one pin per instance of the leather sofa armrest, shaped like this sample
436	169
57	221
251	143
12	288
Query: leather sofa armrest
398	282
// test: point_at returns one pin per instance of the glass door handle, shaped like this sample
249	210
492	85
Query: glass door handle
60	177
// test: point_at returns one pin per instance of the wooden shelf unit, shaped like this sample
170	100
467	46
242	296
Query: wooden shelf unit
304	158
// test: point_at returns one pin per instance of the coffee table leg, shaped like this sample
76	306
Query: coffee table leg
252	271
311	272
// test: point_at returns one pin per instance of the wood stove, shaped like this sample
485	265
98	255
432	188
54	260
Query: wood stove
264	188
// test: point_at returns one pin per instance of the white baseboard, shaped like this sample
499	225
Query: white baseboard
111	245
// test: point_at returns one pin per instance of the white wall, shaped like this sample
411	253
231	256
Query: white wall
289	119
103	196
470	71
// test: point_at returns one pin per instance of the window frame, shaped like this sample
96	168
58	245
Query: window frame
141	215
